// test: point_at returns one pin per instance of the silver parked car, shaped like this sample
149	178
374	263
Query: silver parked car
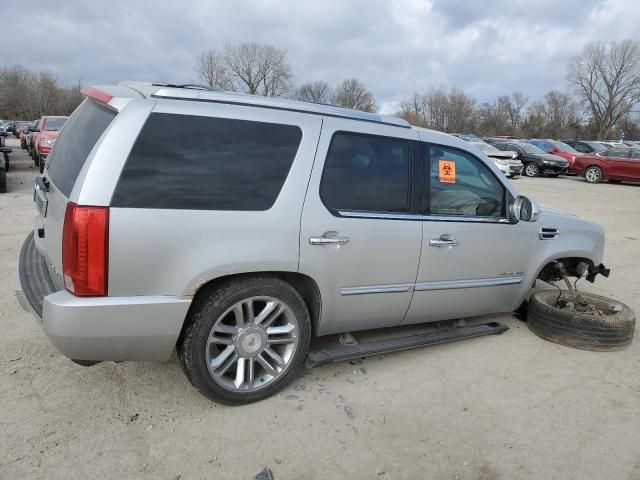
234	228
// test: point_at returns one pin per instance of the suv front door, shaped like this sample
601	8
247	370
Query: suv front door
473	260
359	240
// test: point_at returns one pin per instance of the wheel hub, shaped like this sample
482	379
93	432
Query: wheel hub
250	341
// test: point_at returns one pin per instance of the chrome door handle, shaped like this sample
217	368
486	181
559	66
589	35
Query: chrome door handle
329	239
444	241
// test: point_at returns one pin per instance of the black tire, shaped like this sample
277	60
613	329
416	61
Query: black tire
41	163
209	305
531	169
36	160
3	180
6	162
593	174
580	330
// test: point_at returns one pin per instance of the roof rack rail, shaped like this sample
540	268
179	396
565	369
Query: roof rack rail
193	86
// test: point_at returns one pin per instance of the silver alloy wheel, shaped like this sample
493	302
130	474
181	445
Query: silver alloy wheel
531	170
592	174
252	344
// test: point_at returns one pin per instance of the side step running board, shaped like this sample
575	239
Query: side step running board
340	353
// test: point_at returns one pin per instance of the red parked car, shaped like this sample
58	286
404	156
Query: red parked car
560	149
44	138
616	165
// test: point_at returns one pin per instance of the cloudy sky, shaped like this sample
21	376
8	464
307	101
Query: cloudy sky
487	48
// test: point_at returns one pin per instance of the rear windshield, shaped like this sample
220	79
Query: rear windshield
76	141
53	124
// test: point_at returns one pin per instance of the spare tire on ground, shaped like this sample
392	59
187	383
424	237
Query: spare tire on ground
604	325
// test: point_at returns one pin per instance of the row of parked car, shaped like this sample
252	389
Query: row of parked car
38	136
594	160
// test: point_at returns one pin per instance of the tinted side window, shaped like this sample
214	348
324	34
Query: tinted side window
461	184
366	173
204	163
616	153
75	142
580	147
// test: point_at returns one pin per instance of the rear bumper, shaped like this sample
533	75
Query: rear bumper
98	328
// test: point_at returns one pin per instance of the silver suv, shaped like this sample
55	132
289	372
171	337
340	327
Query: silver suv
235	228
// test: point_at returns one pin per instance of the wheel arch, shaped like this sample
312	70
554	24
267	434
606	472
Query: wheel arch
303	284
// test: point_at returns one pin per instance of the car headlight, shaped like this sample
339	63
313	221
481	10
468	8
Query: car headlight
548	162
47	142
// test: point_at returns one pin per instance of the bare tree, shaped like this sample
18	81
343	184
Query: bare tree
534	124
460	109
512	107
560	114
351	93
258	69
414	110
27	95
213	71
606	76
441	110
316	92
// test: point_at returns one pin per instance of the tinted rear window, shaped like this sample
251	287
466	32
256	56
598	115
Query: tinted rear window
75	142
204	163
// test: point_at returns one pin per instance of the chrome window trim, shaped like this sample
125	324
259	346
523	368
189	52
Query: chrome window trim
476	283
416	217
376	289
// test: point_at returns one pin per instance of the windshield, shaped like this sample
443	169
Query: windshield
485	147
528	148
563	147
53	124
596	146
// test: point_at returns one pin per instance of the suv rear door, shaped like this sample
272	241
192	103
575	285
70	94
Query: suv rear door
74	145
359	238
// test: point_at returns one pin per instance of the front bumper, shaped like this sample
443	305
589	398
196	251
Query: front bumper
555	169
98	328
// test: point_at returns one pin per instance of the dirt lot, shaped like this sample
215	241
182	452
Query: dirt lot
504	407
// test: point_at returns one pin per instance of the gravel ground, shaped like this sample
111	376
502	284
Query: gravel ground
506	407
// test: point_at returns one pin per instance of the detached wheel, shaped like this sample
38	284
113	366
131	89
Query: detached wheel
531	170
612	330
593	175
245	340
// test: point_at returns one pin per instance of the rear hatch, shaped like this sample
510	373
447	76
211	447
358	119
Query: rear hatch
77	139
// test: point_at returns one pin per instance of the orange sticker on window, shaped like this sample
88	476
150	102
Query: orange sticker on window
447	171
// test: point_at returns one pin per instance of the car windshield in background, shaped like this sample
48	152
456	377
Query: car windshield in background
485	147
596	146
565	148
528	148
54	124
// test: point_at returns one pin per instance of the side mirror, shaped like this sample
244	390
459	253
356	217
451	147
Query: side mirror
524	209
31	128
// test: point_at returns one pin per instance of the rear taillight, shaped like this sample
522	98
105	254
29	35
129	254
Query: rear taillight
85	246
